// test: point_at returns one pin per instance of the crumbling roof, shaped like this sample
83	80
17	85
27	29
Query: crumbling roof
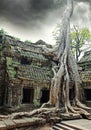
35	73
20	44
31	51
41	42
33	55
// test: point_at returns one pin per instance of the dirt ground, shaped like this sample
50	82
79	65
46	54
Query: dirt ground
45	127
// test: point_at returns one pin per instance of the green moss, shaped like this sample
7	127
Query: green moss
9	61
15	63
0	47
12	73
36	103
17	38
10	67
27	41
2	31
0	50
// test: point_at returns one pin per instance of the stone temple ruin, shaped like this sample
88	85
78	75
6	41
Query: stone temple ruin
85	73
25	73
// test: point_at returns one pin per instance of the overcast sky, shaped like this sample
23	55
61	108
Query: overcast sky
37	19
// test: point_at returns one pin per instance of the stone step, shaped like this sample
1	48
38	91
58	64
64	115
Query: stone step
75	127
80	124
9	124
64	127
60	126
2	125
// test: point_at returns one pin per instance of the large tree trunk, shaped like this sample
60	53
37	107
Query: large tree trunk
60	81
67	69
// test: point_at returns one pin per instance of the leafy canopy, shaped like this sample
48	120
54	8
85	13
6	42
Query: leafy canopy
80	35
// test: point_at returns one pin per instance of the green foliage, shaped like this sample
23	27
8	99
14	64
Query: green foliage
80	35
0	47
36	103
2	31
9	61
15	63
27	41
0	50
11	71
17	38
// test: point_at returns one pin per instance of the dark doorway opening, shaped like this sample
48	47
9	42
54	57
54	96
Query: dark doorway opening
2	94
28	95
1	100
87	94
45	96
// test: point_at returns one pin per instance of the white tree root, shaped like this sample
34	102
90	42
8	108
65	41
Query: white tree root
83	106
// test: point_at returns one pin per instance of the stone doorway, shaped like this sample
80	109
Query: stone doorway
44	96
87	94
2	95
28	95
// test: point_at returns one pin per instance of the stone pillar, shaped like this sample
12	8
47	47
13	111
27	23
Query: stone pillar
37	95
16	97
9	97
20	95
5	97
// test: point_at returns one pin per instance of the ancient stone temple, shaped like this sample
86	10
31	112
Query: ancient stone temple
25	73
85	64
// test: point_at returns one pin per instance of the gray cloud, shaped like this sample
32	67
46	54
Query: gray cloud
81	15
33	16
21	11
